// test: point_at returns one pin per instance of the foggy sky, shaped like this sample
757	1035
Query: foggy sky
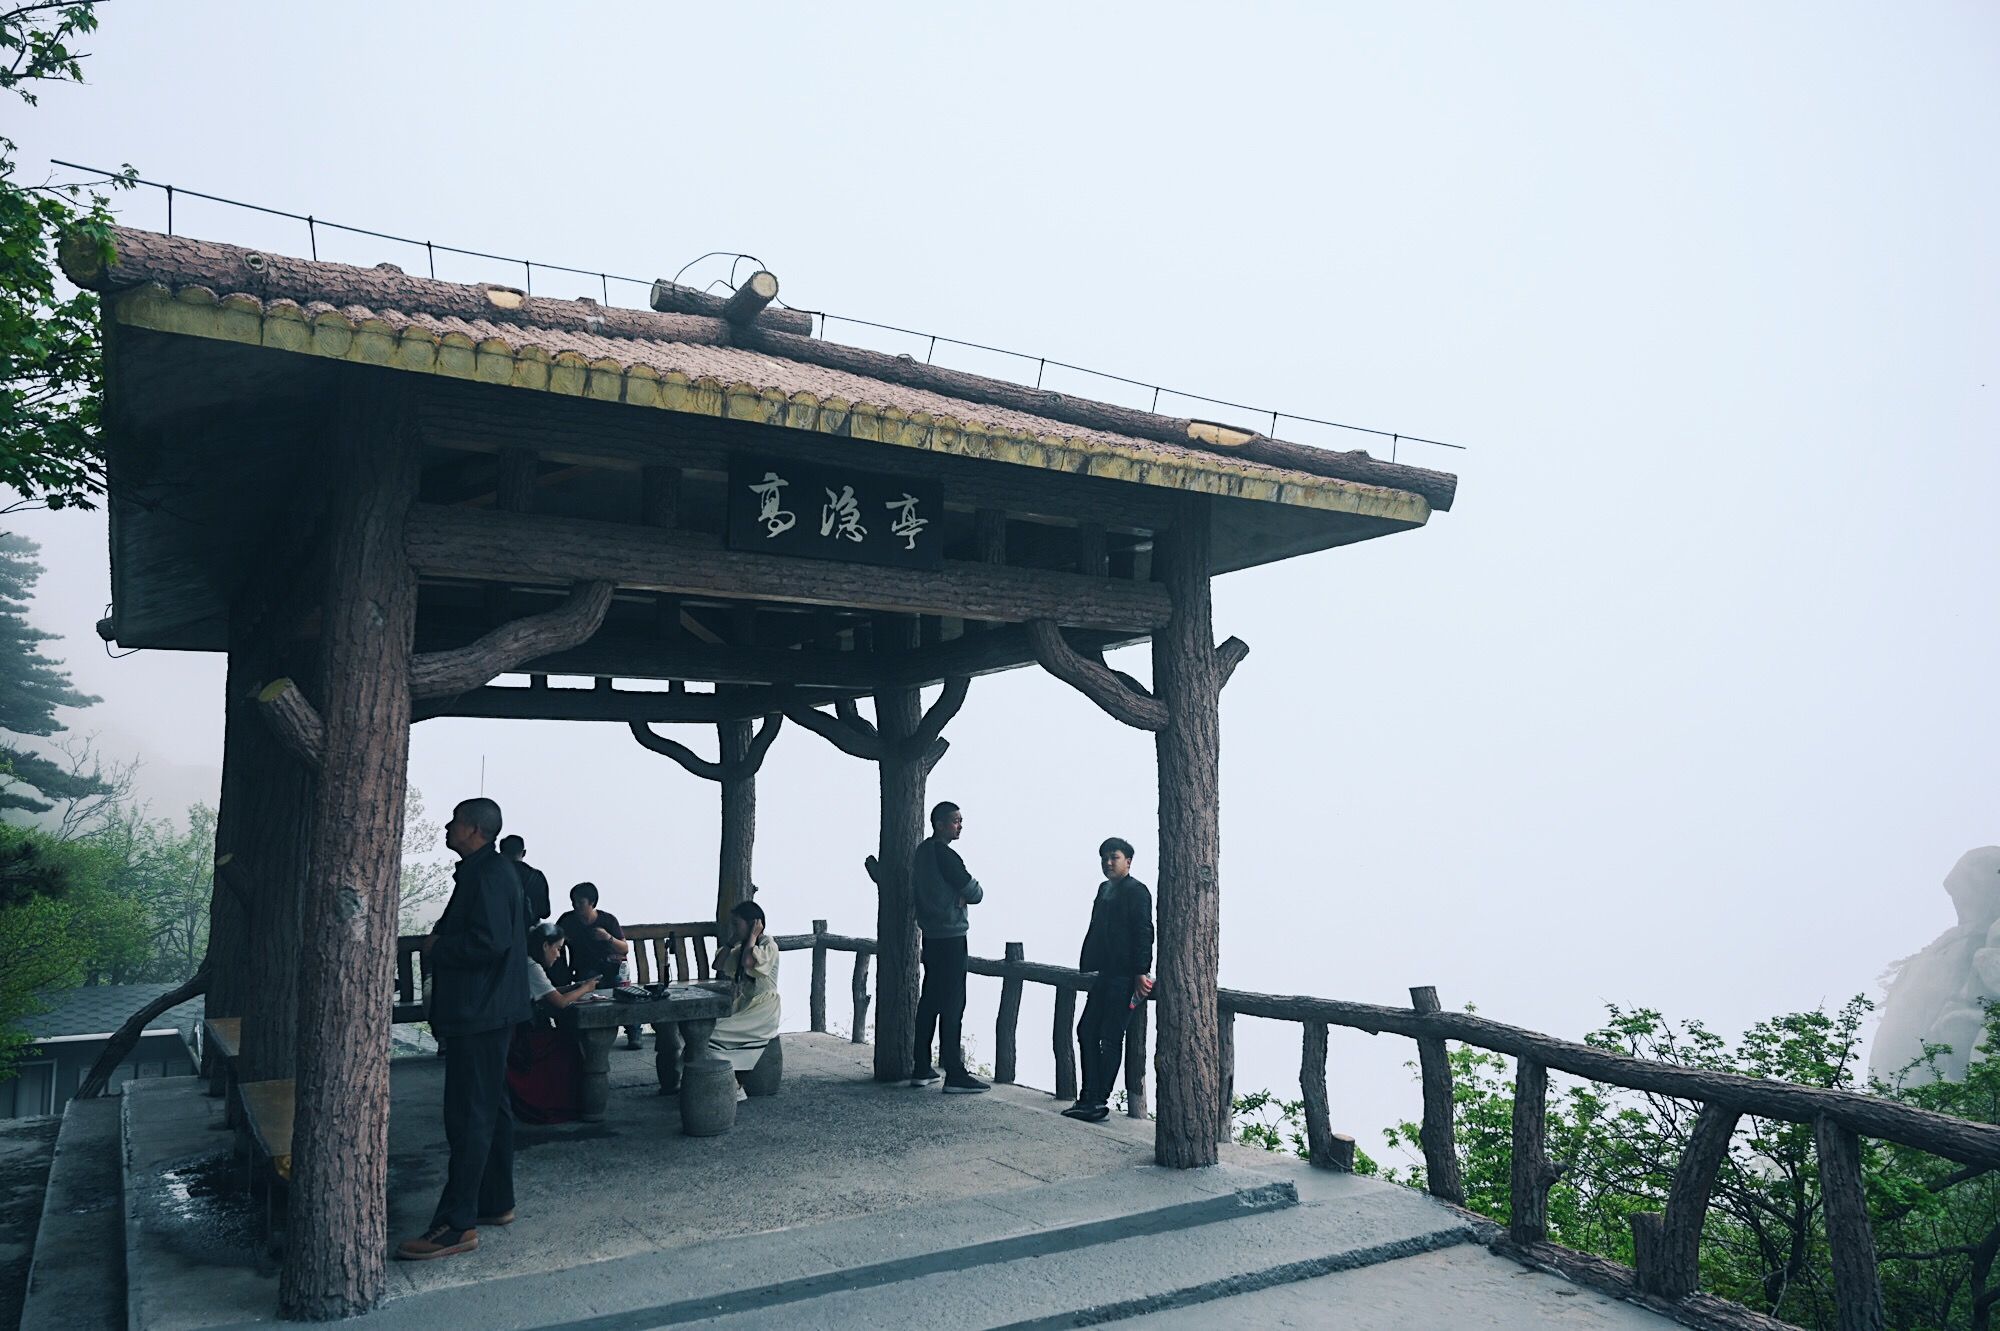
1689	703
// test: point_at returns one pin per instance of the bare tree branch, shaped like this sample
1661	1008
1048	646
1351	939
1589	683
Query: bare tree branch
845	709
295	721
760	744
1093	680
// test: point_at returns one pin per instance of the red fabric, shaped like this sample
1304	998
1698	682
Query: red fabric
544	1069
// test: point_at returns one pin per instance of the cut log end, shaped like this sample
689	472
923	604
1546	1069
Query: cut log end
1214	434
750	299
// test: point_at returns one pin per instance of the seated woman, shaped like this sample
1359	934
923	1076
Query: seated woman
751	961
544	1065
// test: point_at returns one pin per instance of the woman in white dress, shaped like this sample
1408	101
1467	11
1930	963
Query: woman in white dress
750	961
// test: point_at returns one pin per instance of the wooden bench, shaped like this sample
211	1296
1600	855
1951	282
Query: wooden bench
654	944
224	1037
268	1108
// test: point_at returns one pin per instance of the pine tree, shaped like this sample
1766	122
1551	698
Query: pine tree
31	687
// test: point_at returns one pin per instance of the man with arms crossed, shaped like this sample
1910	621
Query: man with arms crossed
480	960
1119	948
943	889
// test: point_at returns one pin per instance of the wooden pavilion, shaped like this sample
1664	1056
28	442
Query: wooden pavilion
377	493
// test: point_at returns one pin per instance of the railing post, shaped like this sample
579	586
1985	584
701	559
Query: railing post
1006	1029
1679	1273
819	977
1529	1213
1225	1061
1065	1043
1440	1145
1312	1089
1135	1063
860	987
1648	1238
1857	1285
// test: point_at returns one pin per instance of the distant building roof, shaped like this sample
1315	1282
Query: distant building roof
100	1009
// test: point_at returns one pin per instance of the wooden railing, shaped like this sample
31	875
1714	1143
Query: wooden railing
670	951
1665	1244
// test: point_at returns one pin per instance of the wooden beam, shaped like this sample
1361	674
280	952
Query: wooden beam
509	547
480	418
435	674
748	301
671	298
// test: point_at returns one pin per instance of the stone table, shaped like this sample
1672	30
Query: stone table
682	1017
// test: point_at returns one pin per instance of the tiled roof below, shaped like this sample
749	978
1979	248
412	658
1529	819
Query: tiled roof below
100	1009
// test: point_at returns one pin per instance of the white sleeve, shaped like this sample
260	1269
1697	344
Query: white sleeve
539	986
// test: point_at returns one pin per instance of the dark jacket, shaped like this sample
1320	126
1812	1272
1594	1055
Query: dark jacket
535	890
480	954
942	887
1120	940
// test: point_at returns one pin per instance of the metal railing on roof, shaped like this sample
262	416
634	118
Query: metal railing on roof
1042	364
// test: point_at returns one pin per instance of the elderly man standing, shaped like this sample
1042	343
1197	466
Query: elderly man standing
478	956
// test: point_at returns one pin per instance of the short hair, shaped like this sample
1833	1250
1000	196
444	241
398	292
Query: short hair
1114	843
513	845
749	912
482	815
942	810
588	891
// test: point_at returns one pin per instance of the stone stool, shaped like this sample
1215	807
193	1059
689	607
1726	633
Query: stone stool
769	1072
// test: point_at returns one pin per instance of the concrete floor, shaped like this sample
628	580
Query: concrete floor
844	1202
27	1146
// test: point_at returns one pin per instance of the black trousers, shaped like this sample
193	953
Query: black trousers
479	1124
941	1006
1100	1035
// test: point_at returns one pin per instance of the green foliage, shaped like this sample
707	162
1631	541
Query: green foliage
426	880
1764	1244
50	354
31	687
1262	1120
33	958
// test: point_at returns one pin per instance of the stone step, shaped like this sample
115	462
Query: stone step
1370	1226
914	1249
188	1225
76	1280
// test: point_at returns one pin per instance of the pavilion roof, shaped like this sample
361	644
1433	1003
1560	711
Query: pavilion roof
704	365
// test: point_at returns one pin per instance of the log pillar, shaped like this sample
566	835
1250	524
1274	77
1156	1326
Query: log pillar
1188	1074
898	714
734	881
338	1233
270	841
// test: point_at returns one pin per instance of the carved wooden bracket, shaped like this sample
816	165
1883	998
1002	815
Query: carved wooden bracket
1122	701
695	765
235	878
854	735
1122	697
441	674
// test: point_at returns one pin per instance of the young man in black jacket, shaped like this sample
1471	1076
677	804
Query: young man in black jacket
1119	949
534	883
478	956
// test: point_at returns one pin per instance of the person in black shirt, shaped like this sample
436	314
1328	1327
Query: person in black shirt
596	944
534	883
1118	948
478	956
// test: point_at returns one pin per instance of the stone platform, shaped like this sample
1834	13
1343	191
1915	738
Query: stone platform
845	1202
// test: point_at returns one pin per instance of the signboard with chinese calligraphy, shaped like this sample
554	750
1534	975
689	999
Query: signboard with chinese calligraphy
816	512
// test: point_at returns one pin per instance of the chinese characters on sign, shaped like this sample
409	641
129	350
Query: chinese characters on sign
819	512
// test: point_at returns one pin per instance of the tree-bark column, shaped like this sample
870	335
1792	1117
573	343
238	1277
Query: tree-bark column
269	845
338	1234
1187	681
733	880
898	713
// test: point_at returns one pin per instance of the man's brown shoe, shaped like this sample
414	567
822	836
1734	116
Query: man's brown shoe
504	1218
443	1241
